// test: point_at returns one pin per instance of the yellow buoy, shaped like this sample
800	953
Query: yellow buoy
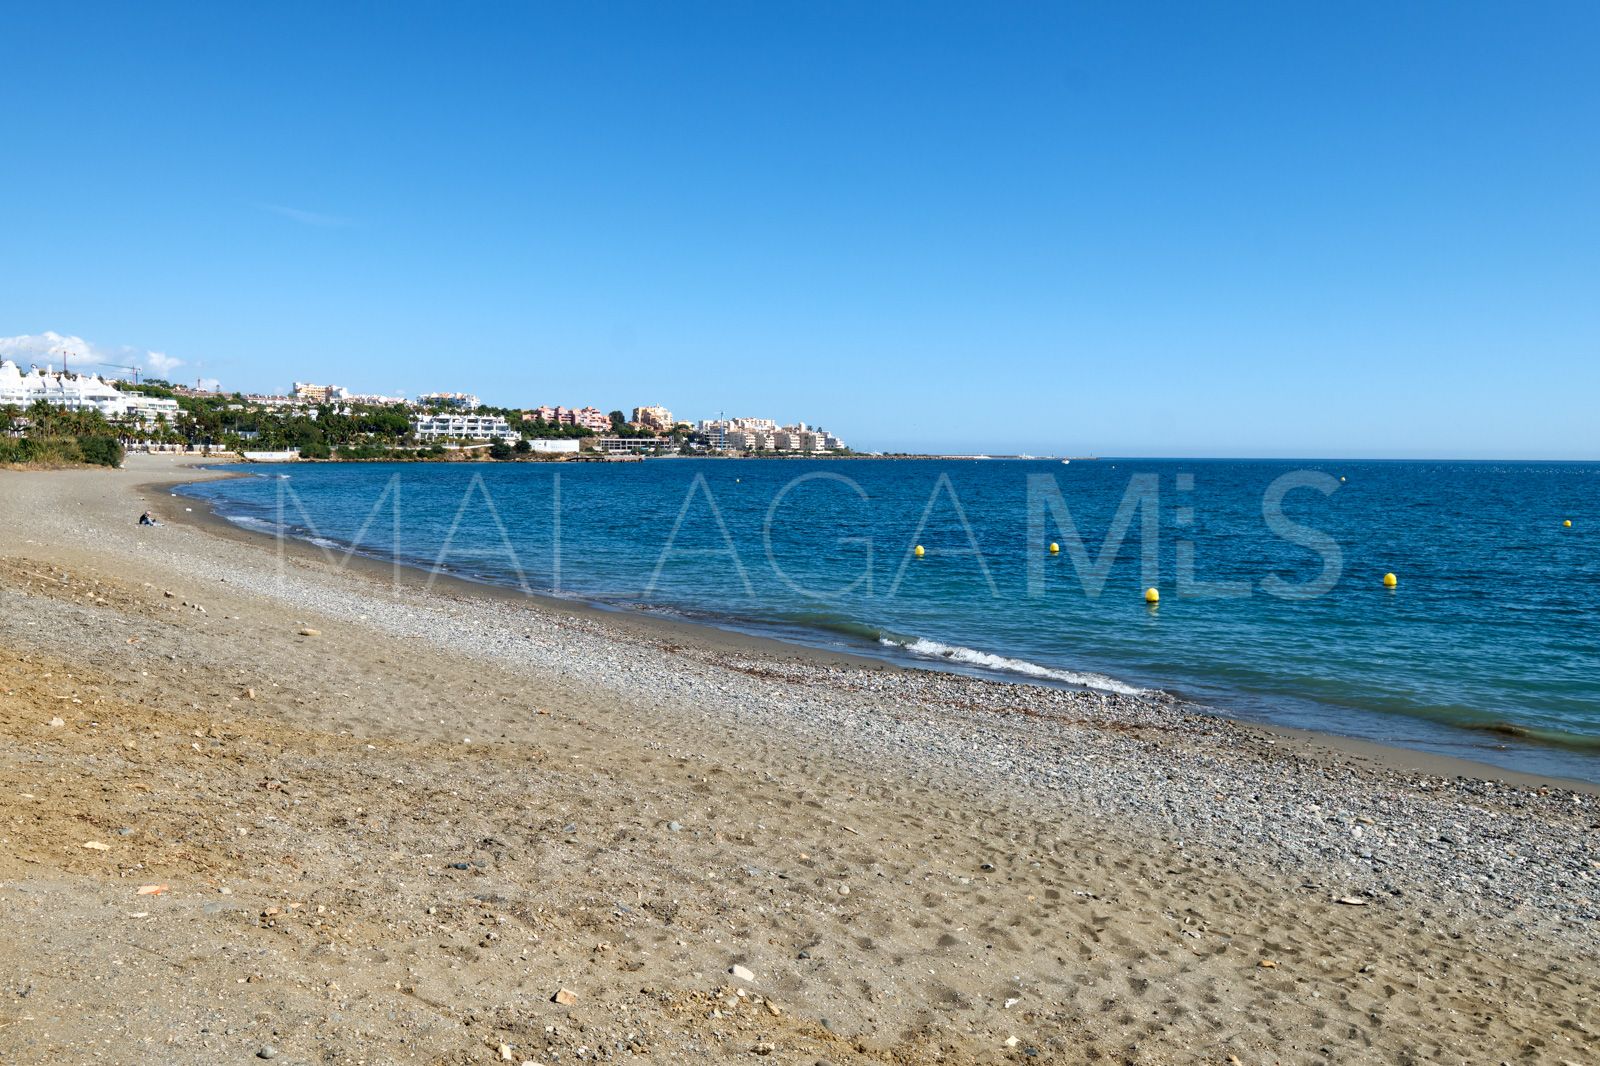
1390	581
1567	524
1151	596
1341	477
917	551
1054	547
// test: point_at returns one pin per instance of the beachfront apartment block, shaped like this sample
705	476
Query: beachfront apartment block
656	418
623	445
79	392
765	435
439	427
591	418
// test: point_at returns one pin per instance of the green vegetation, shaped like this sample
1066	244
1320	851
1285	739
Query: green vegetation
101	451
621	427
55	436
230	422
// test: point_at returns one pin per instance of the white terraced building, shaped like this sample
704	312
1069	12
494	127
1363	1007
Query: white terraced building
463	427
78	392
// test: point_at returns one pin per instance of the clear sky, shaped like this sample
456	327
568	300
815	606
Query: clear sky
1285	229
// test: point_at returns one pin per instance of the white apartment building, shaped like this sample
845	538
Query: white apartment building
150	409
459	401
765	435
624	445
463	427
79	392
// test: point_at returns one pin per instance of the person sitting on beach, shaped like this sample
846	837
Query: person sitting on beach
146	520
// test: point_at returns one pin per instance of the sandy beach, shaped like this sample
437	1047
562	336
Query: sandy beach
265	801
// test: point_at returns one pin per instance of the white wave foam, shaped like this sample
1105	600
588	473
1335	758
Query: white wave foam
260	525
955	653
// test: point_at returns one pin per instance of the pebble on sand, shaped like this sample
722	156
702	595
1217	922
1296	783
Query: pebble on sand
565	997
742	973
309	632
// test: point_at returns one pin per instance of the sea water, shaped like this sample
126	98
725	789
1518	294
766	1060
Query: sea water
1270	573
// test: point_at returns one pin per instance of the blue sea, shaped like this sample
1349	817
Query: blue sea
1270	574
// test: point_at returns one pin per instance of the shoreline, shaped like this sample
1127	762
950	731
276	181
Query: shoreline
638	623
391	822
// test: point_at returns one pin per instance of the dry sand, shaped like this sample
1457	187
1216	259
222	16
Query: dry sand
396	839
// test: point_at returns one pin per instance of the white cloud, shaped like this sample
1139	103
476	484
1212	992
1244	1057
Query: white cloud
161	363
47	348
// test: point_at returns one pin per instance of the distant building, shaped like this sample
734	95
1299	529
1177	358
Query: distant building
458	401
750	440
590	418
623	445
306	392
656	418
715	432
463	427
79	392
765	435
151	409
261	400
554	446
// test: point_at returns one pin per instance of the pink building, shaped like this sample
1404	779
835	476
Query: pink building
587	417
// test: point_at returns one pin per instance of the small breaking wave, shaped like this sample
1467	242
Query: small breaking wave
262	525
955	653
255	525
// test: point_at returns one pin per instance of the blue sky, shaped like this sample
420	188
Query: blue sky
1269	229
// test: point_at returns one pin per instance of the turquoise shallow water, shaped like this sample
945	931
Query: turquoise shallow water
1489	647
